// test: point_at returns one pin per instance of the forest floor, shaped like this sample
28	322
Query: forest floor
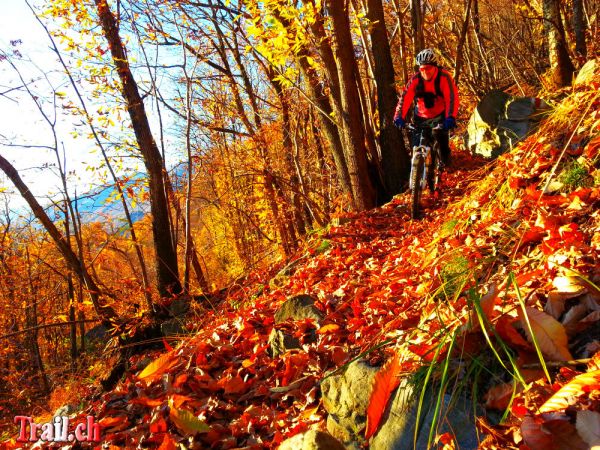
504	259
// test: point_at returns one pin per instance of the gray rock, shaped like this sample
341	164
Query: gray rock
587	72
500	121
397	431
346	398
295	308
280	342
311	440
65	410
299	307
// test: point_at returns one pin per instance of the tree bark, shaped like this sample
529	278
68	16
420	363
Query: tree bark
561	67
579	29
350	119
416	16
166	256
461	41
394	157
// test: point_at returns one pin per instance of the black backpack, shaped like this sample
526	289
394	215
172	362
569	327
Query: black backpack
429	97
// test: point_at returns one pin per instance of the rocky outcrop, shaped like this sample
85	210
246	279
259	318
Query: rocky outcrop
500	120
346	398
311	440
587	72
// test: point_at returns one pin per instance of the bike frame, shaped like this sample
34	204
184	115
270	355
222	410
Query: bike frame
423	150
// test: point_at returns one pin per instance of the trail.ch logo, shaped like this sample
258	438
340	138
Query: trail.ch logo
57	430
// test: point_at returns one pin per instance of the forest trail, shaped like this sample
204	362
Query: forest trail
386	285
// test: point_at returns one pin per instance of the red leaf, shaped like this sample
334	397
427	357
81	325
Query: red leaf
385	382
168	443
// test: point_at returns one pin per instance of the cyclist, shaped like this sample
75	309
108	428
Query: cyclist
436	96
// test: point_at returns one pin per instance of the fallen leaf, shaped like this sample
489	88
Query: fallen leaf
157	367
187	422
329	328
570	391
168	443
549	334
533	435
386	380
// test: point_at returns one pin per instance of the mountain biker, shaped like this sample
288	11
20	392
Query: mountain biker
436	96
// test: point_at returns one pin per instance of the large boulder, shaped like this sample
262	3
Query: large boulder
311	440
346	398
397	431
500	121
587	72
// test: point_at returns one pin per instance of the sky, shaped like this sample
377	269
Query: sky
22	127
23	130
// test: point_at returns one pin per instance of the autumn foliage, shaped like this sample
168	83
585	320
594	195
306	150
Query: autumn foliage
498	263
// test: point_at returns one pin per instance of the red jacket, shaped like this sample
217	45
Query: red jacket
447	104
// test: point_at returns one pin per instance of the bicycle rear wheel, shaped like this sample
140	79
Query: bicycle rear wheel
416	174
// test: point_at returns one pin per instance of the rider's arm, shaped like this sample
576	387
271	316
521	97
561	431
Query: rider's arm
406	98
450	92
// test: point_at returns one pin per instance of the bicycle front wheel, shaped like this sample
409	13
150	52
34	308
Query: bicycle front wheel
416	174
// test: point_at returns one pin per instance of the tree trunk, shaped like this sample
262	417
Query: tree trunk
166	256
579	29
461	42
416	15
394	157
350	119
319	98
561	67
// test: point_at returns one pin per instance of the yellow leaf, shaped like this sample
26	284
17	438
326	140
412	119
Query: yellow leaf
549	334
570	391
186	421
157	367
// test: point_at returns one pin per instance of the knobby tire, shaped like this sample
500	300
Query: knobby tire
416	175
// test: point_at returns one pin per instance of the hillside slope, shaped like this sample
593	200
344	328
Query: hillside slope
494	252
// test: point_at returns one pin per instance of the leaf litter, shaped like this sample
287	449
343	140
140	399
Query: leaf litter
530	260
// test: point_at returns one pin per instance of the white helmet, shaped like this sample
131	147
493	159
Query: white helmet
427	56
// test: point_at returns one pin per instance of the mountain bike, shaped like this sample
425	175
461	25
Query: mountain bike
426	164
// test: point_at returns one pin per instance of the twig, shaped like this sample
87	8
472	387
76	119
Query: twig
573	362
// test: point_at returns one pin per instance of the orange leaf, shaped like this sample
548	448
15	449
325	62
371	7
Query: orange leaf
506	330
560	400
549	334
157	367
234	385
168	443
329	328
385	382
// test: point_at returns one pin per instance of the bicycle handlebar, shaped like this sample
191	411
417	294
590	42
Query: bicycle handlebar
413	127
